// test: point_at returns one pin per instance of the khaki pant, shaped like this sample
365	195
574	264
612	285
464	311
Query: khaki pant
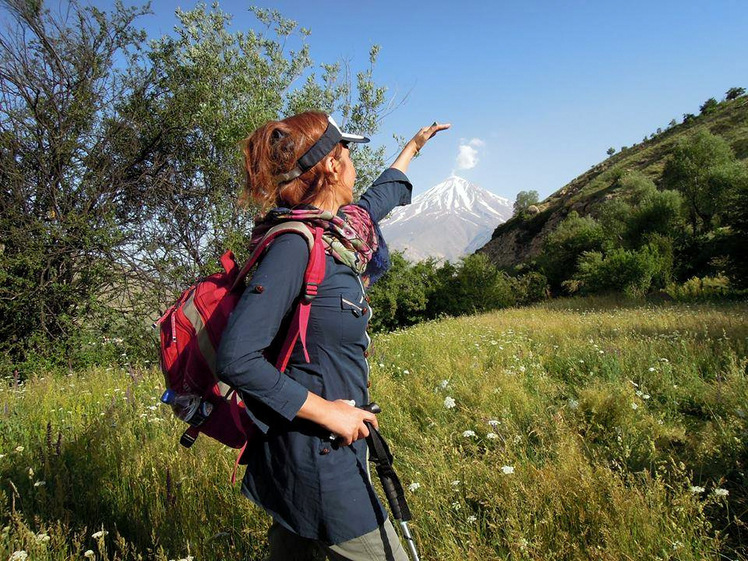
381	544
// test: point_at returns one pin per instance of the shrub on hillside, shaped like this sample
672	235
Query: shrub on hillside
734	93
530	287
621	270
573	236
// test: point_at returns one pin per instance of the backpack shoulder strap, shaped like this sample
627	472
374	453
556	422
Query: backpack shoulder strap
313	277
282	228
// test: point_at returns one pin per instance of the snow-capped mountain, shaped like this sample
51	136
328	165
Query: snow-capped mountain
449	221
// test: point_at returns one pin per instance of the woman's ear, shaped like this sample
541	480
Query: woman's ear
332	167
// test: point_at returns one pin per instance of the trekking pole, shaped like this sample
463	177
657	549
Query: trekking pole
381	457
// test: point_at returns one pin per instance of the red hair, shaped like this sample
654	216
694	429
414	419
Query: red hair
273	149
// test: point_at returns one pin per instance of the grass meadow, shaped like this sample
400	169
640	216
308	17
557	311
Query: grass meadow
576	429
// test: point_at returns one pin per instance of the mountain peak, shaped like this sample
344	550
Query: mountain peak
446	220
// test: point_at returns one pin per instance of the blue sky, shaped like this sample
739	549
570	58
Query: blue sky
536	91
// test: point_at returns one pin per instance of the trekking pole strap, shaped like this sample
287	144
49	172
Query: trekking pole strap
381	457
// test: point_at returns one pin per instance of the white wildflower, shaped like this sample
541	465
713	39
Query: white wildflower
449	402
651	368
455	483
472	518
19	449
507	470
444	384
2	456
39	483
573	404
646	396
517	439
31	473
414	487
406	371
456	505
99	534
468	434
696	489
719	492
89	554
42	538
19	555
522	369
677	544
639	393
634	406
492	436
381	365
664	360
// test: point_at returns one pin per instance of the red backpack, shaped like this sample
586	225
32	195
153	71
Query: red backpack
191	332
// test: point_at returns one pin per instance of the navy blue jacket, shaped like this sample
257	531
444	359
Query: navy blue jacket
307	484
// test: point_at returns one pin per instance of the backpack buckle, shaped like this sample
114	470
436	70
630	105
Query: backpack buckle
188	438
310	291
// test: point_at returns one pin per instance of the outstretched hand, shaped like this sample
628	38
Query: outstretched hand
414	145
427	133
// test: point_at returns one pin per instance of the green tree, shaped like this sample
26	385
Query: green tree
708	106
473	285
573	236
734	93
120	186
703	169
524	200
208	87
61	206
610	151
629	271
736	217
401	297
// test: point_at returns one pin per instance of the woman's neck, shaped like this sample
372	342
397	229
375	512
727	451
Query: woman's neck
327	201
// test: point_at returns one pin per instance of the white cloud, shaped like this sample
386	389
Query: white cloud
467	155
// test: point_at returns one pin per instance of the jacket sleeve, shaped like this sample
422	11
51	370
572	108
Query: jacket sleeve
391	189
254	324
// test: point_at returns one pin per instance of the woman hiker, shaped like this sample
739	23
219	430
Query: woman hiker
309	468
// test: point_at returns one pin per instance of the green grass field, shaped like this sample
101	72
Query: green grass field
577	429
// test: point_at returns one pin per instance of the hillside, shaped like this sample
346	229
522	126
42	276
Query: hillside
521	238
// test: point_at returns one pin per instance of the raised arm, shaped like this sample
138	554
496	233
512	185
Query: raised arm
393	187
415	144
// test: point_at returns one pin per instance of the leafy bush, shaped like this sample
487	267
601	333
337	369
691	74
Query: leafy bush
402	296
573	236
629	271
476	286
696	289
